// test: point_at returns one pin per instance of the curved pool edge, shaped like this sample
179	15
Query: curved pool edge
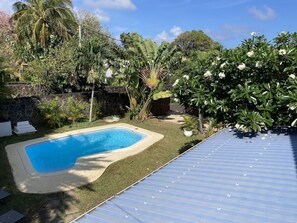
86	170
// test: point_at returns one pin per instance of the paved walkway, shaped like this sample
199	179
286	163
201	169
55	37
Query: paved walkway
174	116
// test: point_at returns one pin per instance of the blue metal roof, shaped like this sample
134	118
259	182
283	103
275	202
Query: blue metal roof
226	178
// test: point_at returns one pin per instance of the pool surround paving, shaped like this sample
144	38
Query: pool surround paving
86	170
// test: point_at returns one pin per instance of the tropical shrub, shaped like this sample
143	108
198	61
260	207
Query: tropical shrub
190	123
53	112
75	110
143	70
252	86
58	112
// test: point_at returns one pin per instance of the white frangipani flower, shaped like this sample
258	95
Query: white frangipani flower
241	66
253	33
175	83
293	76
186	77
213	63
222	75
258	64
223	64
218	58
250	54
176	100
282	52
283	33
207	74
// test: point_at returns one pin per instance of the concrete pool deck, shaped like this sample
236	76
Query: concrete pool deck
86	170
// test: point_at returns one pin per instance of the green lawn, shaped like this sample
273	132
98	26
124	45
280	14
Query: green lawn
118	176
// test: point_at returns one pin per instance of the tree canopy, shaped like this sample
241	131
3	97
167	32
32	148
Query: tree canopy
191	42
40	21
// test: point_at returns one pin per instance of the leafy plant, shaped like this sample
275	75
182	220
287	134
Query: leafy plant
190	123
251	121
75	110
53	112
253	85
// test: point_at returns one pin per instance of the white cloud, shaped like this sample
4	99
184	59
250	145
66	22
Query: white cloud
266	13
6	5
115	4
175	30
163	36
102	16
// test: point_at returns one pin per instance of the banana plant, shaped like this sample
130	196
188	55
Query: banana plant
151	64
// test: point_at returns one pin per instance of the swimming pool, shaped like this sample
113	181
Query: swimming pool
61	154
64	161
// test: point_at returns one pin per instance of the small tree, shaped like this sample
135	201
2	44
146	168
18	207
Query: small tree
92	57
252	86
147	67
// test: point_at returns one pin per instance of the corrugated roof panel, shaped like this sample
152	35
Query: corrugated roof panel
226	178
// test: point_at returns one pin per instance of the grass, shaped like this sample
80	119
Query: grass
117	176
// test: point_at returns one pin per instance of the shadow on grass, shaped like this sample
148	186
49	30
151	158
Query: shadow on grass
188	145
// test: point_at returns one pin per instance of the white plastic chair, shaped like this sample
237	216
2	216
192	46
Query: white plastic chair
23	128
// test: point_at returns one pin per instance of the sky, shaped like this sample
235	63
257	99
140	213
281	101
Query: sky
226	21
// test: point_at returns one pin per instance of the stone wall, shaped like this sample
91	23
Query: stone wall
26	108
21	109
20	89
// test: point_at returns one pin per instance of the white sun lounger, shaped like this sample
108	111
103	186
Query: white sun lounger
23	128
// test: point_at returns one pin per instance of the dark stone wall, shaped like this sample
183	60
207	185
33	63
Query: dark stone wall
26	108
21	109
19	89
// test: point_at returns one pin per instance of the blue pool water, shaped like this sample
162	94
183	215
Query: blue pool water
61	154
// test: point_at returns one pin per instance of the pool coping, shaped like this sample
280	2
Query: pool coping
86	170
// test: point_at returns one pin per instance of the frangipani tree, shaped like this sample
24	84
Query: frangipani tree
252	86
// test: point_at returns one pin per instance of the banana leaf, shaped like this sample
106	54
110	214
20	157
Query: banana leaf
162	94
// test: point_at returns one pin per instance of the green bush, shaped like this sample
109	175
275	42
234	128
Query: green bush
59	112
97	110
253	86
53	112
75	110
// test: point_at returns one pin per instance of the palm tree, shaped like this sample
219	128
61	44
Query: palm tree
37	20
92	55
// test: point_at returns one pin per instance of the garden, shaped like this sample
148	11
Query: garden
252	88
